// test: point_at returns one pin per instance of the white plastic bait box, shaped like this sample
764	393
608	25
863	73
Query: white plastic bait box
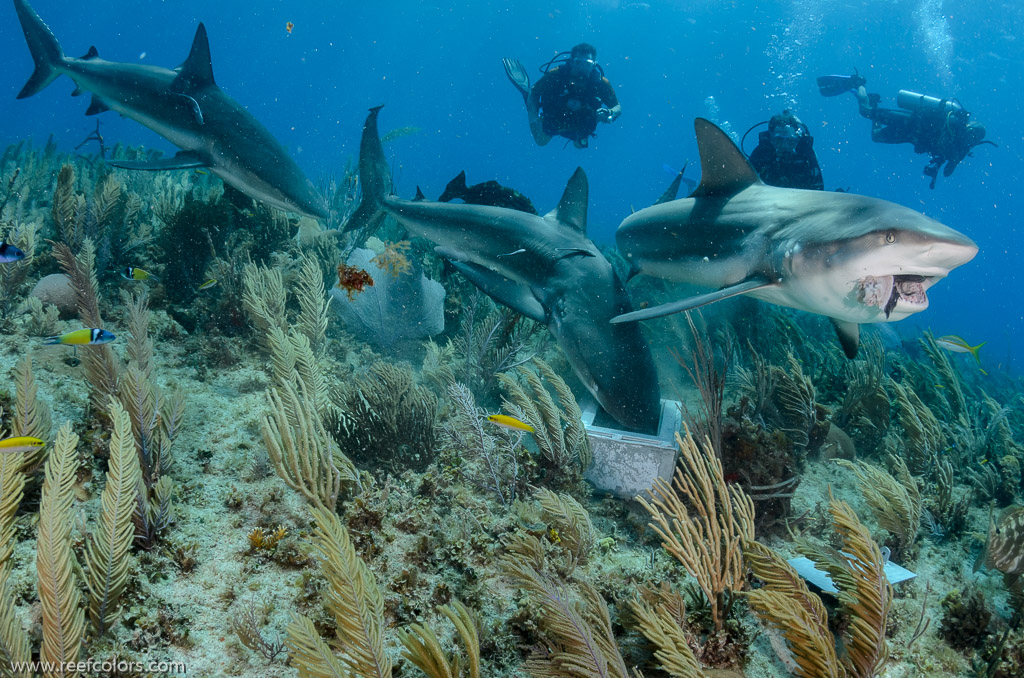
626	463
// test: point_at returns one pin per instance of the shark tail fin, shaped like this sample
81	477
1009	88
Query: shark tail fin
46	51
375	177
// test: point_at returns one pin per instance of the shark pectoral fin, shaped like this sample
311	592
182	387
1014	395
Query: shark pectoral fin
572	208
748	285
725	171
849	336
96	106
507	292
181	160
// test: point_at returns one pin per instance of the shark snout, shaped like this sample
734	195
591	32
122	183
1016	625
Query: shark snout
948	254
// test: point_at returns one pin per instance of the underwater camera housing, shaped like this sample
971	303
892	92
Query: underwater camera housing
912	101
626	463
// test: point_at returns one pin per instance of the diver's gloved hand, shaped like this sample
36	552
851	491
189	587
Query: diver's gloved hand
604	114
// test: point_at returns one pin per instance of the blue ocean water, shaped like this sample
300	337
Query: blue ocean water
438	67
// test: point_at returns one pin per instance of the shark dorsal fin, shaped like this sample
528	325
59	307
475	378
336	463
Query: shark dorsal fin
456	188
93	53
419	195
724	170
572	208
197	71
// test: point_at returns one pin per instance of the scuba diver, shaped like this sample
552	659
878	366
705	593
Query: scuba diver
570	98
784	155
939	127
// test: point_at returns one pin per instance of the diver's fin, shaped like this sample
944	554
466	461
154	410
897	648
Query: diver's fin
834	85
849	336
504	291
748	285
724	170
180	160
518	76
96	106
673	189
456	188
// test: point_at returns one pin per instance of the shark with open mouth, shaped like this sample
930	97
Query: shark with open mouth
852	258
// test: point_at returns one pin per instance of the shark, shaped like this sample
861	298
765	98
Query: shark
852	258
184	106
545	268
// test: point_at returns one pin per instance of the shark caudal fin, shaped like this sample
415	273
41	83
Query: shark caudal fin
375	176
724	170
46	51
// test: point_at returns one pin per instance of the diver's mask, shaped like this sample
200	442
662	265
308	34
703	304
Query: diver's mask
975	133
785	139
582	66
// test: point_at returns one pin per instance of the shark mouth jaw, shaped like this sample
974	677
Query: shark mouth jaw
888	290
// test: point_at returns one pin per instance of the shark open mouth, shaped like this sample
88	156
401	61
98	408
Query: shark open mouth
885	291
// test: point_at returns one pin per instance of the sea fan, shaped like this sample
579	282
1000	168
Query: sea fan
404	306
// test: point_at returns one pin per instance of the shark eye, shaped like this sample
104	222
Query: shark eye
890	237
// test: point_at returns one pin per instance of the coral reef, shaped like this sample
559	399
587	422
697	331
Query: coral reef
329	507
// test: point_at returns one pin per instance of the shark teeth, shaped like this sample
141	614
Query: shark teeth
875	291
911	288
887	290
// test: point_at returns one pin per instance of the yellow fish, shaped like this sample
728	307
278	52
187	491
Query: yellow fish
207	285
509	422
956	344
20	444
132	273
87	337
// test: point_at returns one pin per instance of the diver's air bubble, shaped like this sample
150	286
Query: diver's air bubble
933	30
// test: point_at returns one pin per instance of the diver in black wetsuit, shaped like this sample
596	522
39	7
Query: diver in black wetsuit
784	155
939	127
570	98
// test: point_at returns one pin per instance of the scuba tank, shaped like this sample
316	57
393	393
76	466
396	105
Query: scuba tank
912	101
